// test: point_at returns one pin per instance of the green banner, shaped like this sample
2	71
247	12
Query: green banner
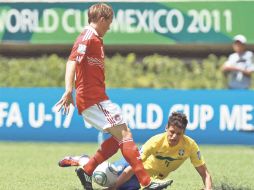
135	23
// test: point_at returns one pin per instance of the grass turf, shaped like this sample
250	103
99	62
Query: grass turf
30	166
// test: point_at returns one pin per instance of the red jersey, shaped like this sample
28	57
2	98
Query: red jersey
89	74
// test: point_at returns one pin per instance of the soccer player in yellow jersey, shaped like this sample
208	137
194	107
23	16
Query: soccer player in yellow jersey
164	153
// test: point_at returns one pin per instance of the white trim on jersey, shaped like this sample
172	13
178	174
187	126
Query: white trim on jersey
87	35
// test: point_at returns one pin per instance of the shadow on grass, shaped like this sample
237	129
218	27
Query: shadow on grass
225	186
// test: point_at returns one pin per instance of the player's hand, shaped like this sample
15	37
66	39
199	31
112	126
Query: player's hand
65	102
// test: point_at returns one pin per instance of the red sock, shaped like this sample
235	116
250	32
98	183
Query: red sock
108	148
132	156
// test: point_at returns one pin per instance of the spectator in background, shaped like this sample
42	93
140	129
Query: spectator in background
239	65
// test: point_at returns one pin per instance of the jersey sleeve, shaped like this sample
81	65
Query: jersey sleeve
79	50
196	157
148	148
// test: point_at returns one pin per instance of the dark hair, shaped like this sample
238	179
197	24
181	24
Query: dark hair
96	11
178	119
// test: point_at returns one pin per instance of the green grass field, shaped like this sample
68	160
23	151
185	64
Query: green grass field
33	166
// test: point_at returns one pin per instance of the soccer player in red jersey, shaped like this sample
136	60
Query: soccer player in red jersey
85	66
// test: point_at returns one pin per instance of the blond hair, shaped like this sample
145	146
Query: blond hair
96	11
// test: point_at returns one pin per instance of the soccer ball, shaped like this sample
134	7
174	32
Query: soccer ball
105	174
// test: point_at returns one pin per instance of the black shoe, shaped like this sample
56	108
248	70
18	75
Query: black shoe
156	185
85	179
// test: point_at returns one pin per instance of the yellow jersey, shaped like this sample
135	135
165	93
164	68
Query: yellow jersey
159	158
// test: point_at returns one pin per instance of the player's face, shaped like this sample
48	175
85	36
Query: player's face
174	135
105	25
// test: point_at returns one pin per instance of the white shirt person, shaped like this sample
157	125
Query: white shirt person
239	65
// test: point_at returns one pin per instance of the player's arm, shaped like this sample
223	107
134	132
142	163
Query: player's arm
198	162
206	177
67	98
124	177
77	54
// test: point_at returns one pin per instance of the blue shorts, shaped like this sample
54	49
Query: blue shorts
132	183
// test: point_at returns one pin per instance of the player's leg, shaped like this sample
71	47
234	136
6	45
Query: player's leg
108	148
99	118
130	152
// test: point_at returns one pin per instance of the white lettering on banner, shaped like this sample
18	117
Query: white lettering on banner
81	20
142	21
171	21
27	24
125	21
128	111
157	17
2	20
27	20
206	114
65	21
36	26
130	21
237	119
118	24
151	110
11	14
13	115
58	117
138	115
74	20
133	116
50	20
201	114
38	120
174	13
36	123
3	112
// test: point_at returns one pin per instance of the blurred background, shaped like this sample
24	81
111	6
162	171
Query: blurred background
161	56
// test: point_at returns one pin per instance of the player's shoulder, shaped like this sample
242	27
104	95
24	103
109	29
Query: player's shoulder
158	137
188	140
88	35
157	140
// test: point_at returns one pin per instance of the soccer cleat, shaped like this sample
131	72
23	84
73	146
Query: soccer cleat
85	179
156	185
68	161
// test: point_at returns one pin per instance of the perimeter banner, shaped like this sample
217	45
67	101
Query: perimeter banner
135	23
215	116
